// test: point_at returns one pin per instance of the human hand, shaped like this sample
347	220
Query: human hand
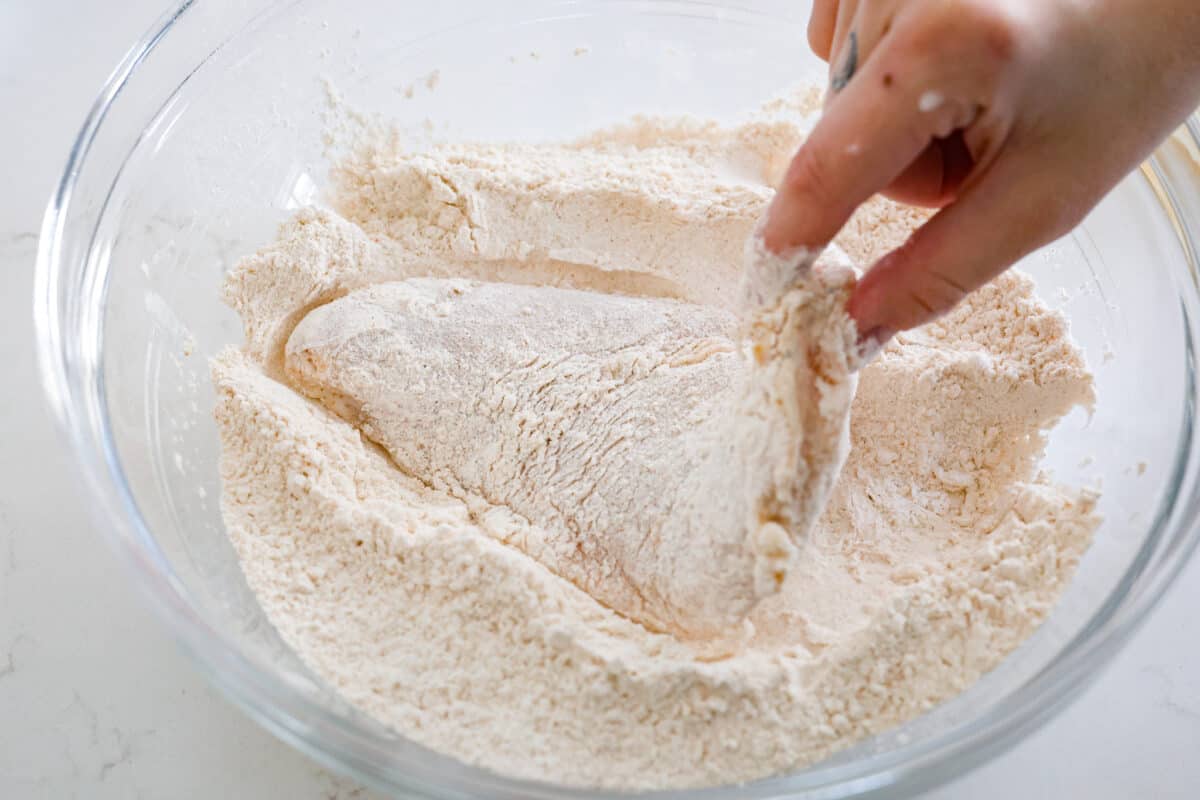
1013	117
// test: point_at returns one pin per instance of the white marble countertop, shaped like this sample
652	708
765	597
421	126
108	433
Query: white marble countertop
97	702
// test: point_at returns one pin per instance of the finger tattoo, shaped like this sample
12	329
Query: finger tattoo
849	65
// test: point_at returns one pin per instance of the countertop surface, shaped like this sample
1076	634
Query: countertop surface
96	700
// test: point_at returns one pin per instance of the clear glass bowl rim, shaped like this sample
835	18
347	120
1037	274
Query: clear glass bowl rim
74	392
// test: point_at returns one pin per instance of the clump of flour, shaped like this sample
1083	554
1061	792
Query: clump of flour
940	550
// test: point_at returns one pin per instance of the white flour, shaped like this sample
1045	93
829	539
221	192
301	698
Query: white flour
450	607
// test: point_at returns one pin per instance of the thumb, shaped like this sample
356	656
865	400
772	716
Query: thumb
1008	213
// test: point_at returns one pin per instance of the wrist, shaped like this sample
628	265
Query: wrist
1143	57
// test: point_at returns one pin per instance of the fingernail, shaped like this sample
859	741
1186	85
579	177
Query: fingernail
871	344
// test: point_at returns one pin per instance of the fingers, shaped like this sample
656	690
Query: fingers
820	27
935	177
1004	217
870	133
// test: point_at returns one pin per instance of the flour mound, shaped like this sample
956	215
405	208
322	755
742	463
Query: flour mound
429	579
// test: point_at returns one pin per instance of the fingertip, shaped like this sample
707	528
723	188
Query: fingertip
871	344
793	220
773	228
810	204
873	332
867	305
821	28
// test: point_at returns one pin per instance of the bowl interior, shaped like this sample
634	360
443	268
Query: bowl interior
228	127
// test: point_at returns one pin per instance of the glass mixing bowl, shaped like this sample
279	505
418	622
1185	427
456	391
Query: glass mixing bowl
211	131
